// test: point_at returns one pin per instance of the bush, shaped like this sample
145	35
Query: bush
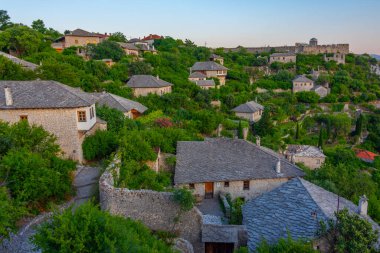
286	245
99	145
236	211
307	97
115	118
87	229
184	198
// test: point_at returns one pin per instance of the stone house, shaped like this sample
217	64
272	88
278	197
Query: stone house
205	84
337	57
217	58
251	111
321	90
131	109
302	83
68	113
151	38
283	57
233	166
310	156
78	38
142	85
211	69
24	64
143	46
196	76
129	48
296	207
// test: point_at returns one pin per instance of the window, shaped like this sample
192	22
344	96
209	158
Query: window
191	186
76	42
82	116
92	114
246	185
226	184
318	161
24	117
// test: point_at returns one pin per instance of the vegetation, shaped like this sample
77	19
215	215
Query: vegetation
286	245
87	229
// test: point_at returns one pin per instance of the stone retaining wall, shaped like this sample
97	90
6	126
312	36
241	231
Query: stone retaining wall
157	210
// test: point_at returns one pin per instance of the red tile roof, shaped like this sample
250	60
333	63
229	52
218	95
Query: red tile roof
153	37
365	154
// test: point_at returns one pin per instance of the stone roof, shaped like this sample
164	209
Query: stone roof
24	64
119	103
205	82
43	94
207	66
82	33
304	151
221	233
303	79
129	46
249	107
282	54
215	56
134	40
147	81
197	75
223	159
296	207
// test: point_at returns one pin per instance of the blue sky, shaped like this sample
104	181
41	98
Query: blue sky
215	22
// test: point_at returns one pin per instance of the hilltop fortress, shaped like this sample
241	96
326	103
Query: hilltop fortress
301	48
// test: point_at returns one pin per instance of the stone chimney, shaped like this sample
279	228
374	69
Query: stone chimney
8	96
363	205
158	78
258	141
278	167
245	133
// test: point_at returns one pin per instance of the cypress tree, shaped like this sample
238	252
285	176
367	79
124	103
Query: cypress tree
240	131
359	125
320	141
297	131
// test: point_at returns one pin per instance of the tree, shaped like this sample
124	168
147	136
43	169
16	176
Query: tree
298	131
4	19
359	125
99	145
320	140
240	131
349	233
117	37
39	26
307	97
265	125
139	68
87	229
22	40
287	244
106	50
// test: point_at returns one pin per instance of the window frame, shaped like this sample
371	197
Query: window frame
82	116
24	117
192	186
246	185
226	184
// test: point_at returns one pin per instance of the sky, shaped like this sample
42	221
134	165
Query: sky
215	23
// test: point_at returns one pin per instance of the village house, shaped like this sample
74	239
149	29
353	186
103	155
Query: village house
143	46
365	155
251	111
211	69
296	208
310	156
321	90
78	38
151	38
338	58
217	58
233	166
196	76
200	79
131	109
142	85
282	57
68	113
24	64
129	48
302	83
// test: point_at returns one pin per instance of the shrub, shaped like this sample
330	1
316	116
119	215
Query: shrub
236	211
286	245
87	229
184	198
99	145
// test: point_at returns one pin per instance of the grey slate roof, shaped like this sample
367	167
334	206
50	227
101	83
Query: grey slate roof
43	94
222	159
304	151
119	103
24	64
147	81
129	46
207	66
303	79
282	54
197	75
205	82
296	207
82	33
249	107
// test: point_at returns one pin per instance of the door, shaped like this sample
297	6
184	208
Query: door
209	190
211	247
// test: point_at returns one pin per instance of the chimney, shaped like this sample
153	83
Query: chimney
258	141
158	78
245	133
8	96
278	167
363	205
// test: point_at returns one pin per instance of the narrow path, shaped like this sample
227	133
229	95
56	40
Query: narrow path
86	185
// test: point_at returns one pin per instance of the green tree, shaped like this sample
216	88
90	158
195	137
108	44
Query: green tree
118	37
359	125
297	131
265	125
307	97
286	245
184	198
4	19
99	145
39	26
106	50
240	131
139	68
349	233
320	139
87	229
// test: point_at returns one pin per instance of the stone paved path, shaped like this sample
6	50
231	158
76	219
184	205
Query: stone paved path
86	184
211	207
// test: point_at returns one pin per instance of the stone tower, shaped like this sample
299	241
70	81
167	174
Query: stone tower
313	42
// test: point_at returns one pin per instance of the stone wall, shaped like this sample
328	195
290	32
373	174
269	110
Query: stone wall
81	41
157	210
311	162
145	91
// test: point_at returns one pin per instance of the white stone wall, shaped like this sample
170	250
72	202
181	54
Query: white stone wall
283	59
81	41
90	122
302	86
145	91
311	162
256	116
